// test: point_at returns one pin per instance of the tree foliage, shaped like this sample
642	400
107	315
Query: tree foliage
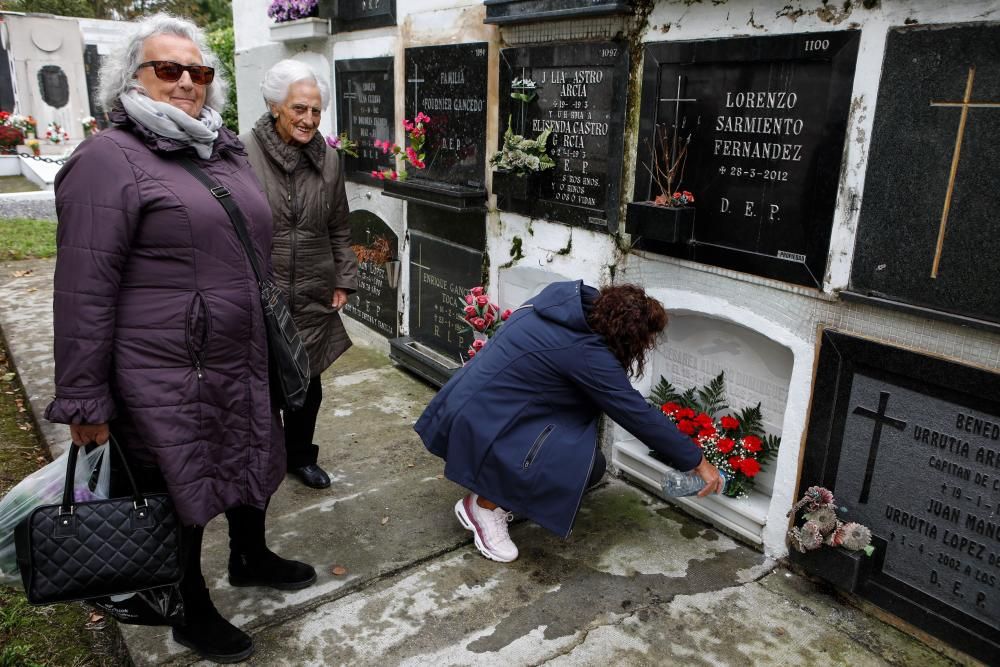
209	14
223	43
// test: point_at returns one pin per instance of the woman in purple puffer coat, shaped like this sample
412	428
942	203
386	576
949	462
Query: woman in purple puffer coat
159	332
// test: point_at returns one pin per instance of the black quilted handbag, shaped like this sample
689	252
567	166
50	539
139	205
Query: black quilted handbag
77	551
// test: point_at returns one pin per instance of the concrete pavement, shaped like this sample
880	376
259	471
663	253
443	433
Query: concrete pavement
638	583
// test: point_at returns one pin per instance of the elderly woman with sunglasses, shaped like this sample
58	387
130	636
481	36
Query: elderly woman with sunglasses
159	331
313	260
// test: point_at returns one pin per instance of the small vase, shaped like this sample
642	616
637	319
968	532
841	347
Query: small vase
516	192
660	223
841	568
392	269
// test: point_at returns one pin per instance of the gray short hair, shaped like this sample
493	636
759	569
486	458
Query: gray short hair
283	74
117	75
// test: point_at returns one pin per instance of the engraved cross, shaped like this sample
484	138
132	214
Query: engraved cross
880	418
965	104
416	81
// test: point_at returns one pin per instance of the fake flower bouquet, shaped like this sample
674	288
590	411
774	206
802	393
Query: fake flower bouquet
523	90
736	444
483	317
10	138
343	144
378	251
822	526
34	147
522	156
55	134
676	200
416	133
89	124
291	10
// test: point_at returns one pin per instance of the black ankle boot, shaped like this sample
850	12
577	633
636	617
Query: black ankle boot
208	634
267	568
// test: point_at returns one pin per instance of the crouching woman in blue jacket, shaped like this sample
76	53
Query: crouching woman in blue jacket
517	425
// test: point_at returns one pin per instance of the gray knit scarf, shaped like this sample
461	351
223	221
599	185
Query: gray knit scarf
168	121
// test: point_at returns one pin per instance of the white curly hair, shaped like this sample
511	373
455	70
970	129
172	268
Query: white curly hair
117	75
283	74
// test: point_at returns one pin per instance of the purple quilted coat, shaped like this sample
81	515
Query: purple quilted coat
158	322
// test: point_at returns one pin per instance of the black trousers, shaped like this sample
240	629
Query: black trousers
246	532
300	426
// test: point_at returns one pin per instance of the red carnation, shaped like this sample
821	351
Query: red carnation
685	413
703	419
735	462
752	443
750	467
726	445
707	432
670	408
687	427
730	423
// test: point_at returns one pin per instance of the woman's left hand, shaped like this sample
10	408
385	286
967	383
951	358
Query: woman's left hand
339	299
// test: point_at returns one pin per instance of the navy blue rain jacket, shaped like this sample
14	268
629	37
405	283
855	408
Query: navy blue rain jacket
518	423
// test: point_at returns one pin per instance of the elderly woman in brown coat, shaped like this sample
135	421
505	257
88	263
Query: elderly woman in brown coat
311	251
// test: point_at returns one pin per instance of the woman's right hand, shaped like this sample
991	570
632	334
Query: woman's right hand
84	434
709	473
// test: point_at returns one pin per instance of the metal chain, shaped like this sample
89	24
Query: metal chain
38	157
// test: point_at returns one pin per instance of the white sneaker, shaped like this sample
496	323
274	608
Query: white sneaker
489	528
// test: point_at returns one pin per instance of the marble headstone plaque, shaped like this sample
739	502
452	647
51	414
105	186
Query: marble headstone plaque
375	302
365	110
766	119
927	233
911	446
578	90
348	15
531	11
441	273
91	66
448	83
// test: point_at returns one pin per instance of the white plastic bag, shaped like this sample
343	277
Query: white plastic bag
45	487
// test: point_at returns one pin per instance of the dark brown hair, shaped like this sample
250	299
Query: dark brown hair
630	321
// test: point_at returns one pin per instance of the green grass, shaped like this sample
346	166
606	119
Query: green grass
54	635
16	184
25	238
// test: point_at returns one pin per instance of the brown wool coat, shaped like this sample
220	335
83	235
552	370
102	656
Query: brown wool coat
311	250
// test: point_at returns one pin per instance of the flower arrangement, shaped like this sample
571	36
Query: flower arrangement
10	138
822	526
735	444
89	124
34	147
55	134
343	144
669	156
522	156
291	10
416	133
378	251
523	90
483	317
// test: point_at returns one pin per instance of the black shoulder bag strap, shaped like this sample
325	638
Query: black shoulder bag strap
224	197
290	367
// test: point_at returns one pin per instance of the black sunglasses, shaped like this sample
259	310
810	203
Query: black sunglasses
167	70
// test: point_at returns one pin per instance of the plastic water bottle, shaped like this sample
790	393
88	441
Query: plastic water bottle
677	483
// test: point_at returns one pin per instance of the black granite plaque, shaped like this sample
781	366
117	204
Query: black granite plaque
91	66
365	111
911	446
348	15
531	11
927	233
578	90
448	83
53	85
375	302
441	273
766	119
6	84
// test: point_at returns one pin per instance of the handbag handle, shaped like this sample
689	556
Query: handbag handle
67	501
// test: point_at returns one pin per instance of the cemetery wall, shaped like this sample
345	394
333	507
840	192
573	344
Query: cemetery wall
828	223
